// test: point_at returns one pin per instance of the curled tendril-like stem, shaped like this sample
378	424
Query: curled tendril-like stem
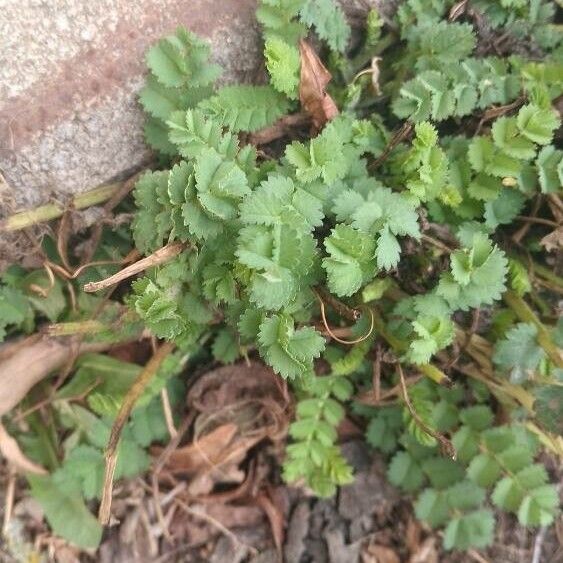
445	445
357	315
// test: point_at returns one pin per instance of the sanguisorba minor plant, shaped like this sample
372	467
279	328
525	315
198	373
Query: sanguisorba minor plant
388	257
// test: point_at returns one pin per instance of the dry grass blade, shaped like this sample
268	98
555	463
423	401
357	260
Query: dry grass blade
122	416
161	256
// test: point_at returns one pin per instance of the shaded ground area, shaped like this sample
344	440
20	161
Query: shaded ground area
218	497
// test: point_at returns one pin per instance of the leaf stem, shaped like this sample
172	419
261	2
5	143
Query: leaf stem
548	275
129	401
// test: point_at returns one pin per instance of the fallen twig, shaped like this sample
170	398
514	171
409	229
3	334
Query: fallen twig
399	136
280	128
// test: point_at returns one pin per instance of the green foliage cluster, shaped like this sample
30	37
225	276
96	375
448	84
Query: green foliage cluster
494	465
262	236
79	476
392	224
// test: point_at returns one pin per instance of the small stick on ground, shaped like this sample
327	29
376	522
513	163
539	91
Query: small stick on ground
121	419
376	375
161	256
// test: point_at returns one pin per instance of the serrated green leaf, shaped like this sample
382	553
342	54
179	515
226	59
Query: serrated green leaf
327	17
508	494
478	417
465	495
245	108
283	64
537	124
466	443
475	529
351	259
181	58
290	352
538	508
432	507
225	347
405	472
484	470
519	354
442	472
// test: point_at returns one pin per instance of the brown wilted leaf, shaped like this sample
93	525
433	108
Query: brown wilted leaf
426	552
238	406
553	240
11	451
375	74
25	363
312	87
375	553
203	453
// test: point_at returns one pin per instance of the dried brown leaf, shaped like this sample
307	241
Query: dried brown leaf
312	87
203	453
11	451
426	552
375	74
281	128
235	408
379	554
553	241
32	362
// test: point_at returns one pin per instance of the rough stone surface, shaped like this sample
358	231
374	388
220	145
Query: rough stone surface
70	71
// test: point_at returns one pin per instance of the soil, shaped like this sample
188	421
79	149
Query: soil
366	522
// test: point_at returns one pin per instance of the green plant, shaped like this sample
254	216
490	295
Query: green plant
363	260
494	462
269	240
79	476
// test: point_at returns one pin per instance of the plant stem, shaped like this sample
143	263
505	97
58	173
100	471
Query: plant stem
51	211
526	315
77	327
132	396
